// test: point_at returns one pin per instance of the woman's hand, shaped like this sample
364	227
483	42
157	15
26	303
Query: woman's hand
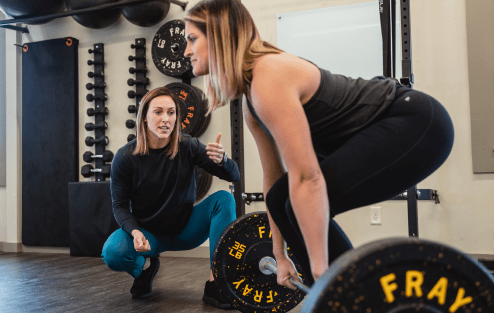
140	242
215	150
285	270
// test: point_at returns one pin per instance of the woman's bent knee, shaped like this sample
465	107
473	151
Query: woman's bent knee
226	201
118	250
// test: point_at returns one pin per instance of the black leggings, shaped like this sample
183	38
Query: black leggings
412	138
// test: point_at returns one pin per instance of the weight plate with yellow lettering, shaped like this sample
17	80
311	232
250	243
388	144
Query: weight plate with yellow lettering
403	275
191	107
236	267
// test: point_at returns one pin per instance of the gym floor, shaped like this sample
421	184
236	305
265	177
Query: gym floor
35	282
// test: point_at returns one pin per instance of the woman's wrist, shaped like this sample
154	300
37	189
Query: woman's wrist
280	254
223	160
135	232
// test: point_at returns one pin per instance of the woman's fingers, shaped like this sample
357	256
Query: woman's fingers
141	244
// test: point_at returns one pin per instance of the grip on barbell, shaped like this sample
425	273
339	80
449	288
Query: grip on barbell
269	264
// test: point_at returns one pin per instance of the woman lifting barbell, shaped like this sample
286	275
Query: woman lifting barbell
345	142
153	192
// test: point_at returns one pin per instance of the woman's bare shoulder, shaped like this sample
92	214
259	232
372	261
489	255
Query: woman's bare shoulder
285	70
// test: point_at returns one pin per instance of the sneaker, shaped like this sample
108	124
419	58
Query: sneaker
143	284
213	296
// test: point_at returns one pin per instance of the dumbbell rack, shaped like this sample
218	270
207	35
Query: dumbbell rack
140	82
99	98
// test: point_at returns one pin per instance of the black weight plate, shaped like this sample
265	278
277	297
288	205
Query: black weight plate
202	178
403	275
190	106
236	267
168	49
207	182
203	123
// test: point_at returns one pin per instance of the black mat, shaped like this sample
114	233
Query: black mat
50	136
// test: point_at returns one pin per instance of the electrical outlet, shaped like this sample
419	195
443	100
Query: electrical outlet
375	215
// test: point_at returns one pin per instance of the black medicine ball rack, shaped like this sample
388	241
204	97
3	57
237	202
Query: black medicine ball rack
114	5
100	141
140	81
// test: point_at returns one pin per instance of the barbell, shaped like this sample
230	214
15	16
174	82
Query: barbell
395	275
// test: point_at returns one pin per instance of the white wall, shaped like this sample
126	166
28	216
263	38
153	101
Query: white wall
2	105
3	120
464	217
11	210
2	216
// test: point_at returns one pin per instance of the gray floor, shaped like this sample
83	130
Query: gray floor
35	282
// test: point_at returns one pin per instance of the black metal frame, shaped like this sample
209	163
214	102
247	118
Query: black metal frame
113	5
237	142
388	9
407	79
422	194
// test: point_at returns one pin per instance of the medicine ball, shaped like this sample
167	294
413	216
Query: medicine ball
31	8
146	14
96	20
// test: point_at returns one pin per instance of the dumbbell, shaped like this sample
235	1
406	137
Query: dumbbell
90	141
91	97
133	58
88	156
90	86
138	70
100	110
97	62
88	170
131	137
100	125
132	94
130	124
98	74
97	50
139	81
132	109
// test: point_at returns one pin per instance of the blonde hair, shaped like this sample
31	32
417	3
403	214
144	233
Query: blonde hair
234	45
142	147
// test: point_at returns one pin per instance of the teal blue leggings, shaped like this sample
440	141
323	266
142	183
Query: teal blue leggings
208	220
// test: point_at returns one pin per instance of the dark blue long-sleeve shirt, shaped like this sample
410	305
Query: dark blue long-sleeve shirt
157	193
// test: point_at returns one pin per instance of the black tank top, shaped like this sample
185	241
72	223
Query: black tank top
342	106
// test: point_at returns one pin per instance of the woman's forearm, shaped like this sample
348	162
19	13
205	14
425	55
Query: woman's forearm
279	249
311	207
